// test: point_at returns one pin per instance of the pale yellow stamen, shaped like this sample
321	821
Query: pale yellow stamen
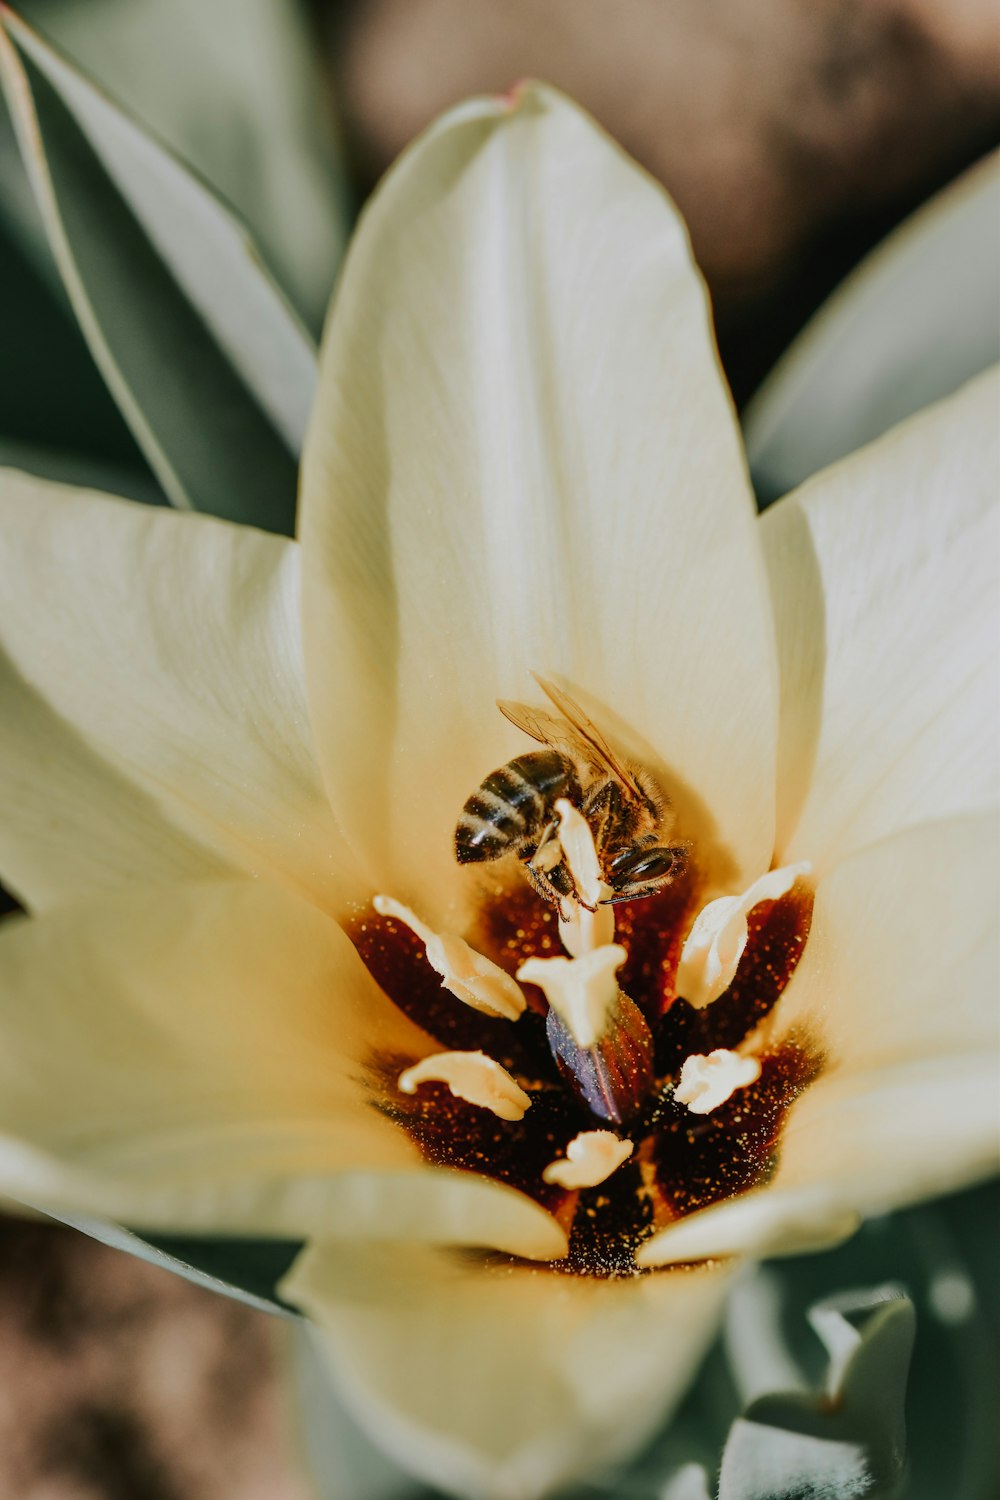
590	1158
715	944
707	1082
470	977
577	842
583	991
585	927
471	1076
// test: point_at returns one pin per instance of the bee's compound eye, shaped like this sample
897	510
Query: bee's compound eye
638	866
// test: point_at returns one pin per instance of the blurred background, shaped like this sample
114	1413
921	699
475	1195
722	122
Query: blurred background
793	138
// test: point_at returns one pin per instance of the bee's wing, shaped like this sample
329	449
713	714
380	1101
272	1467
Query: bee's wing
544	727
586	736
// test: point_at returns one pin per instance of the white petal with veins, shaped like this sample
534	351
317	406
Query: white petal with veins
582	990
468	975
142	743
707	1082
465	441
715	944
471	1076
886	626
590	1158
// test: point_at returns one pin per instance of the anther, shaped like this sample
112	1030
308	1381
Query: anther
716	942
468	975
471	1076
708	1081
590	1159
585	924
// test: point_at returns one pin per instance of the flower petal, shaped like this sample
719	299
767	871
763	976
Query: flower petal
152	718
193	1057
900	962
884	572
523	456
897	990
502	1381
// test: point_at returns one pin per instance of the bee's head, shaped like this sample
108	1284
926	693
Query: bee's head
642	871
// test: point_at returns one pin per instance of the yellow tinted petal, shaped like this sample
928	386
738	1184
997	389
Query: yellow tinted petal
504	1380
896	990
153	723
523	456
885	572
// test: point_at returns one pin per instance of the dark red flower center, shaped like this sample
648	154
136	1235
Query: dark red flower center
682	1161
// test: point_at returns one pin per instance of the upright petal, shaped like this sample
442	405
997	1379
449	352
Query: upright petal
523	456
153	722
896	992
503	1381
194	1057
885	573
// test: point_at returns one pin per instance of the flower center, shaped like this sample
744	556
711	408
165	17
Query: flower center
608	1096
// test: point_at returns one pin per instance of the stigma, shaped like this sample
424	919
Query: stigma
582	991
471	1076
468	975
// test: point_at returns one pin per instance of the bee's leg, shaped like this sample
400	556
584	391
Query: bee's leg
551	885
541	862
541	884
546	867
547	853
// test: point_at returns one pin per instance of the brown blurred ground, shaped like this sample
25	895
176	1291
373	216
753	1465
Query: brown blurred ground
791	135
119	1381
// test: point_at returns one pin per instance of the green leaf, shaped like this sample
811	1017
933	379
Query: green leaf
79	470
231	1262
235	1266
19	215
74	416
209	366
849	1442
236	88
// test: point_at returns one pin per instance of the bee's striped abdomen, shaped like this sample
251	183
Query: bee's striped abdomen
513	804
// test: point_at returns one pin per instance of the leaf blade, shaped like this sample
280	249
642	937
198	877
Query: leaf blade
848	1443
210	367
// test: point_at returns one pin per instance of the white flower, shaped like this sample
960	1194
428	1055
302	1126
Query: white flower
522	456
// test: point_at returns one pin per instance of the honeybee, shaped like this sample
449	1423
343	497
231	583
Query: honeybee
512	811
